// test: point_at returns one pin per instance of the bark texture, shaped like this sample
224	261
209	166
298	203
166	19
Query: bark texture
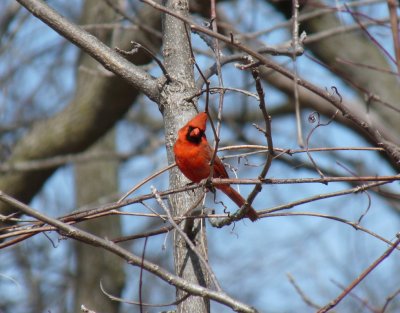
177	112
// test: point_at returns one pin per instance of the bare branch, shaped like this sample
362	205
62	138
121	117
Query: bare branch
364	274
187	239
99	51
80	235
118	299
303	296
392	150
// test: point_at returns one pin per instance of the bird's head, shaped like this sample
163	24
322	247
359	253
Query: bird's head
196	127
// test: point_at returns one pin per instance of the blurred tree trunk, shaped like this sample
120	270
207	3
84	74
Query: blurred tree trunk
93	181
101	99
337	55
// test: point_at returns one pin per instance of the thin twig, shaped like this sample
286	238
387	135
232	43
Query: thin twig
140	184
156	232
265	214
82	215
153	55
290	152
354	225
118	299
295	45
310	15
324	34
367	93
141	276
363	302
83	236
217	53
187	239
391	149
284	181
267	134
138	24
364	274
389	299
364	29
301	293
224	89
370	67
86	214
27	231
312	119
293	204
257	188
134	50
203	77
366	192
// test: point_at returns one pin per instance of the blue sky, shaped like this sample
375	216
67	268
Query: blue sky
251	260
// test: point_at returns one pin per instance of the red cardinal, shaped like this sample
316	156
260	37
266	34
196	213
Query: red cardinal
193	156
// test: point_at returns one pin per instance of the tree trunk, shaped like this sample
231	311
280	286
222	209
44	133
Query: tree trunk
94	180
177	112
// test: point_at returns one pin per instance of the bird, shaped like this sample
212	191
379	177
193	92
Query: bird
193	155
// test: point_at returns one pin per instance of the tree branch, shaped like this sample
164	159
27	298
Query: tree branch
78	234
106	56
364	274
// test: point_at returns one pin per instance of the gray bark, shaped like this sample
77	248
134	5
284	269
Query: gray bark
177	112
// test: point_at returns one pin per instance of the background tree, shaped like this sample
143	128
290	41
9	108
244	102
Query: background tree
329	207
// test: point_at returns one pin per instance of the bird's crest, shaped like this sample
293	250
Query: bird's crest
199	121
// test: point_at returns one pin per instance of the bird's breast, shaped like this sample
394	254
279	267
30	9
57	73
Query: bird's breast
192	160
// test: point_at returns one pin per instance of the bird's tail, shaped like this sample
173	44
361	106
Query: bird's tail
239	200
